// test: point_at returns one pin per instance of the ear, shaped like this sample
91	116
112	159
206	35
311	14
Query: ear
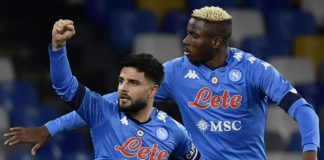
153	91
216	42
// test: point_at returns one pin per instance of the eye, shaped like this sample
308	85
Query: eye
192	35
120	80
135	83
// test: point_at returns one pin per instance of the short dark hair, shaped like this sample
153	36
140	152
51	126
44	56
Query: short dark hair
222	28
146	63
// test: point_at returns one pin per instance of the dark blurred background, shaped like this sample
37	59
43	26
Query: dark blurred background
286	33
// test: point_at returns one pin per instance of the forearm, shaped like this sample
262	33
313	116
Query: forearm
308	123
66	122
63	82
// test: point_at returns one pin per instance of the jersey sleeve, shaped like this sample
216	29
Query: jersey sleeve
91	106
185	149
266	79
111	97
66	122
73	120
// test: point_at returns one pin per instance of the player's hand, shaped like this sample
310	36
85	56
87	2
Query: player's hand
37	135
310	155
62	31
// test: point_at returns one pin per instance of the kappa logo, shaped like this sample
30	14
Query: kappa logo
191	75
238	56
124	121
162	116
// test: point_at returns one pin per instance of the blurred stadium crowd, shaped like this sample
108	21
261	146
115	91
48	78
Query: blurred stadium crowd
286	33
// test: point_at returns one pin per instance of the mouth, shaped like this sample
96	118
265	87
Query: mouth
186	51
124	97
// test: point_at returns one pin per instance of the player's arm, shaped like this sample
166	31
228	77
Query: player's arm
280	91
66	122
38	136
89	105
72	120
185	149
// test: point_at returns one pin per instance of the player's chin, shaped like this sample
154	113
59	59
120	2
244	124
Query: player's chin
124	103
124	107
193	58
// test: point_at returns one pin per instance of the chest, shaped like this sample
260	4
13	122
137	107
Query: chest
223	88
132	140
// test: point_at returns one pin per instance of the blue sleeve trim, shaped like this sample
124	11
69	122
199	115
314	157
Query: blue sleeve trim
310	147
308	123
288	100
66	122
52	128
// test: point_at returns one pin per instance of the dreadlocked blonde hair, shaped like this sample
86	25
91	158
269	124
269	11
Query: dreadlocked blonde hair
213	14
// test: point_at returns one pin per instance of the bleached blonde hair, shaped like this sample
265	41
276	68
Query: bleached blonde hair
213	14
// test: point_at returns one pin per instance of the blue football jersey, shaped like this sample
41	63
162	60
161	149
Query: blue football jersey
225	109
117	136
72	120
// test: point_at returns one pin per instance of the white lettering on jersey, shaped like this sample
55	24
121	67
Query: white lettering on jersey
220	126
192	154
191	75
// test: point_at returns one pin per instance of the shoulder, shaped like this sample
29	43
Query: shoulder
176	63
248	60
170	123
111	97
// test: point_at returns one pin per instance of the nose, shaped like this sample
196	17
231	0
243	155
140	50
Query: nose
122	87
185	41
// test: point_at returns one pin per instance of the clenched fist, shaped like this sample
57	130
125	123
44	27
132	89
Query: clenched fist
62	31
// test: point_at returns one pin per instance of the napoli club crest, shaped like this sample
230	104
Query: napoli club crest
162	133
235	75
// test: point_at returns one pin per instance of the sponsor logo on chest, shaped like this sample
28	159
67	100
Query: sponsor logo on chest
204	99
133	148
219	126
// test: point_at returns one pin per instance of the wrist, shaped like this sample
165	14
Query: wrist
310	147
45	132
56	46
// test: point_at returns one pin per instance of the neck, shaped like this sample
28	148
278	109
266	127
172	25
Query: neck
144	114
218	60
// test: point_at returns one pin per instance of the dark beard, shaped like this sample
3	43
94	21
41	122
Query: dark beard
134	108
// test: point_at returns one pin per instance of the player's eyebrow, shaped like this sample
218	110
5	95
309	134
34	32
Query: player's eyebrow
134	81
130	80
